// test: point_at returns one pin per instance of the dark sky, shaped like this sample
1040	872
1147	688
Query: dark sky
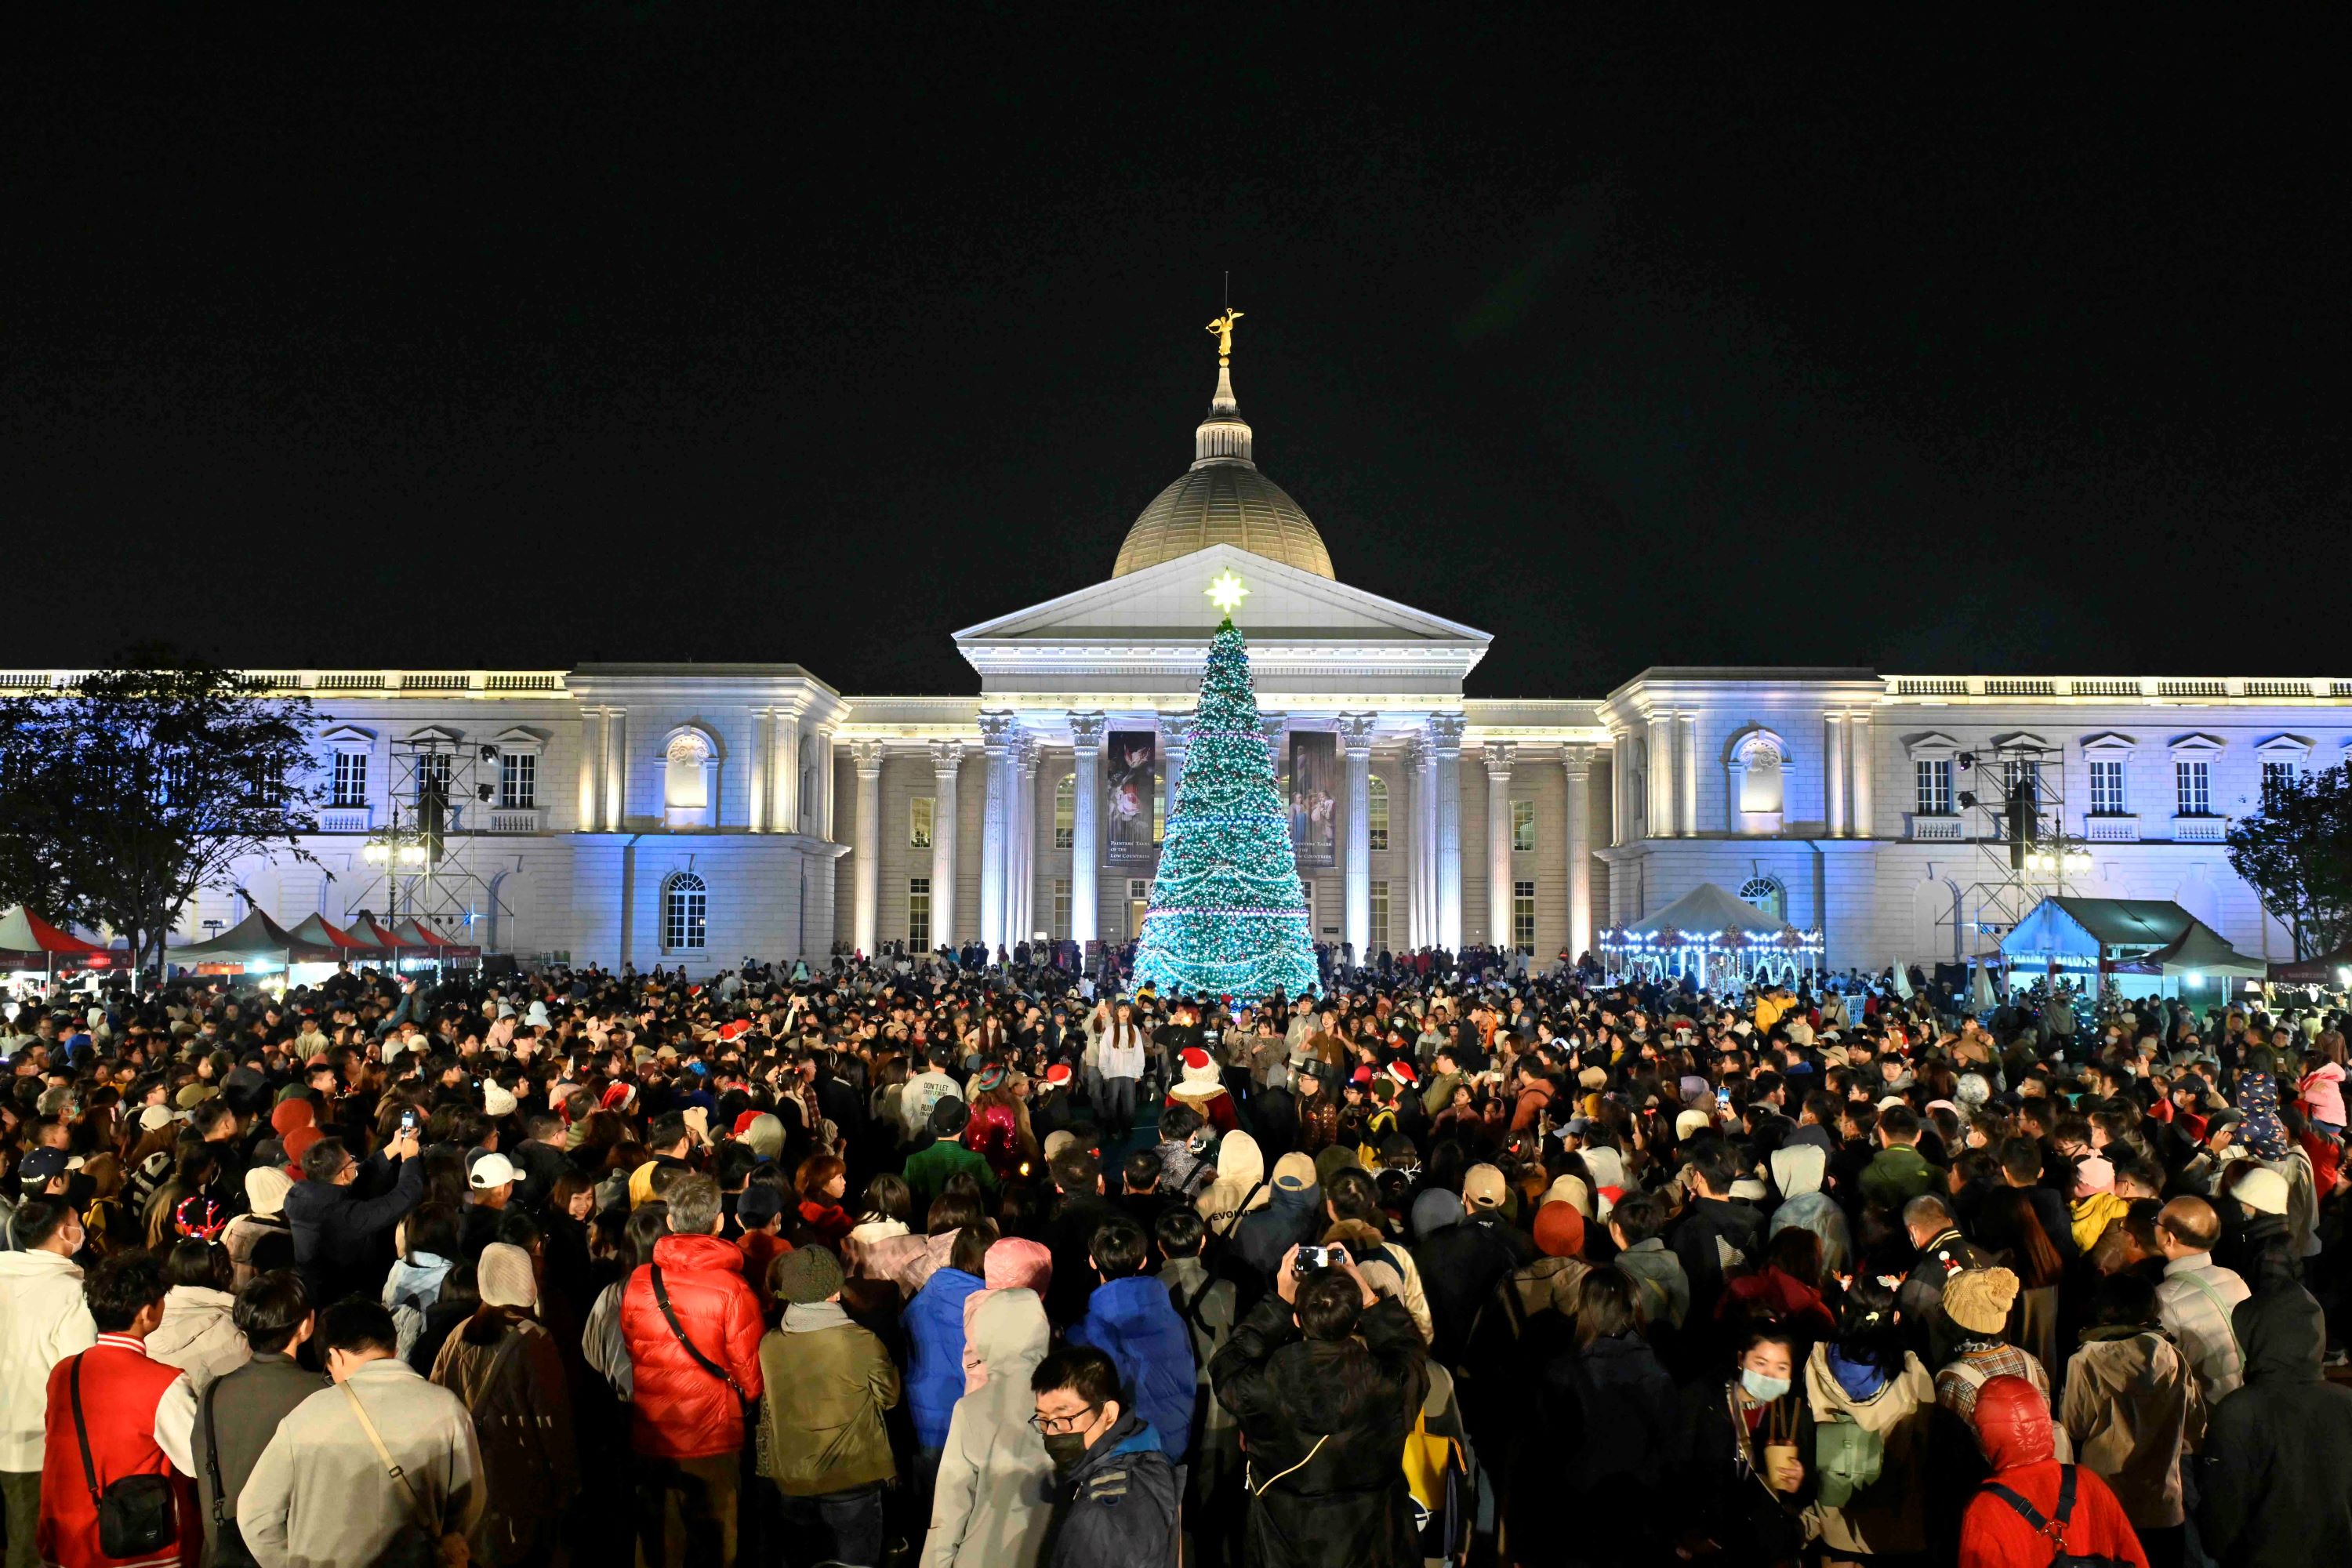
532	334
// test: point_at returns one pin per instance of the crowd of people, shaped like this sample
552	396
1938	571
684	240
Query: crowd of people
988	1265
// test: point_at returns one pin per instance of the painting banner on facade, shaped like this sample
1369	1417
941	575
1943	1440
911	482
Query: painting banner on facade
1314	798
1131	785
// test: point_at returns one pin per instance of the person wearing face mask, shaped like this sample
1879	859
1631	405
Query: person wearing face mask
43	1318
1116	1506
1749	1476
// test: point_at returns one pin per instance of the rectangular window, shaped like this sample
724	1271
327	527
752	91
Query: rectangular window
1061	909
1159	819
1139	903
350	779
1065	812
2277	776
432	768
518	780
1379	933
1523	827
1523	916
1376	814
918	821
2192	785
2014	773
2107	786
1935	786
919	914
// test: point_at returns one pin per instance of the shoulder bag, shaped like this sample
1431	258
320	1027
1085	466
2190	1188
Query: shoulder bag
229	1544
420	1543
669	1316
135	1513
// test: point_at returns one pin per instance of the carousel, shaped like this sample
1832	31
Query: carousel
1716	940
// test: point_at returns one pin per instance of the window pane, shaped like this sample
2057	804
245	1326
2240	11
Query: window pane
685	913
1065	812
1379	932
1376	813
1523	826
918	821
919	914
350	778
1935	786
518	780
1061	909
1523	916
2193	786
2106	787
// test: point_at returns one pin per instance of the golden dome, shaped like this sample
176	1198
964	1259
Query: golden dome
1223	500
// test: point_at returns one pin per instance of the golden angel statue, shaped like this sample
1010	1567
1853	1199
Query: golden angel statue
1224	327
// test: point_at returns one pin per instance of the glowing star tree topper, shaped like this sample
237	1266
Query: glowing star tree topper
1228	916
1227	593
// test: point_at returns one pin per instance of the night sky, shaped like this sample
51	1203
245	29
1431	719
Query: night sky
529	335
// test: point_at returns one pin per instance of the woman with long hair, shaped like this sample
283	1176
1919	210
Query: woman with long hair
1870	1398
508	1370
2033	1257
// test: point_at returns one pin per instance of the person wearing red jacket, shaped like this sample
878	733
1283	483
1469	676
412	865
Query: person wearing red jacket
137	1416
695	1365
2013	1429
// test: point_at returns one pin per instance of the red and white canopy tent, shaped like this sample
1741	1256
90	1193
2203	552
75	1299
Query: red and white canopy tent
29	943
414	933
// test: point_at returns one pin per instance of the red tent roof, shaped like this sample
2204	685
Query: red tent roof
367	929
319	932
22	930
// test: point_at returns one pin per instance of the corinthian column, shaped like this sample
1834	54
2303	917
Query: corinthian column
947	760
1576	762
867	905
1086	825
1446	741
1499	756
995	740
1356	737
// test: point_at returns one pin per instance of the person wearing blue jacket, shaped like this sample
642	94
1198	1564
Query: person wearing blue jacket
1130	1318
934	1322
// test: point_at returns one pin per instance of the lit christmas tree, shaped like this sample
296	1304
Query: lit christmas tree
1228	917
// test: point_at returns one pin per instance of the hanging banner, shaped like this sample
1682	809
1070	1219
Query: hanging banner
1130	785
1314	799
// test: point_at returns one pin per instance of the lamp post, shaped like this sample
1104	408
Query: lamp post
394	846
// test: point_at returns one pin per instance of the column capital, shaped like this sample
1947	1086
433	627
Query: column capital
1833	716
999	728
1500	754
1176	730
1576	759
1355	732
947	756
1087	731
1446	733
867	755
1025	755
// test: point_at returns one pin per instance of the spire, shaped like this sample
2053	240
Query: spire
1224	437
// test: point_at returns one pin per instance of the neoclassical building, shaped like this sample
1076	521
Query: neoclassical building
697	813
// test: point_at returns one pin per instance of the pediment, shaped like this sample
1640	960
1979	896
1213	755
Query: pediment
1170	601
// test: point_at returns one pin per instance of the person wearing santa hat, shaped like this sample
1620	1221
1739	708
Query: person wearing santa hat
1202	1087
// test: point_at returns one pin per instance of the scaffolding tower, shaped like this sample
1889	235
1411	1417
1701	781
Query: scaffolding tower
2012	801
443	790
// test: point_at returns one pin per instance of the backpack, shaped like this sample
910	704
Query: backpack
2055	1530
1848	1457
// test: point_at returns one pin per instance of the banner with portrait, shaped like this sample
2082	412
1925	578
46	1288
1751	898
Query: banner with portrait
1314	799
1130	786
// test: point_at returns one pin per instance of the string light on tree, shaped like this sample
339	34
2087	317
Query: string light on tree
1228	916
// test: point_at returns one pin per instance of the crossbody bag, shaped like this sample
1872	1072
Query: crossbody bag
135	1513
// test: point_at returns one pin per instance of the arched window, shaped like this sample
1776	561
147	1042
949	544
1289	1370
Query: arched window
1759	781
1065	811
685	913
1375	811
1767	894
690	780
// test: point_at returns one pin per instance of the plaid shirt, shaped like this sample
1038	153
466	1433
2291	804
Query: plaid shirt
1958	1385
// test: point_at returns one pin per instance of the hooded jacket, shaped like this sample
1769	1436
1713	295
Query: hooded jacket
2012	1422
1797	1172
679	1411
43	1319
1884	1517
1119	1502
1240	1170
1133	1322
197	1334
934	1320
1292	1216
993	1505
2132	1407
2271	1479
828	1383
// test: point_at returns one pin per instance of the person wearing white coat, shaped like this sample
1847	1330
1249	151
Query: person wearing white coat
994	1500
43	1319
199	1335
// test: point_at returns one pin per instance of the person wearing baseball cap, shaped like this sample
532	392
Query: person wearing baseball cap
490	1182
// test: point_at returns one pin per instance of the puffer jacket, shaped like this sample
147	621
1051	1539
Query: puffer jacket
1120	1502
2092	1213
1133	1322
2271	1481
679	1411
2132	1409
2012	1423
198	1335
993	1506
934	1321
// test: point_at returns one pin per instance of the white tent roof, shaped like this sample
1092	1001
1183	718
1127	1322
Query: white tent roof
1705	909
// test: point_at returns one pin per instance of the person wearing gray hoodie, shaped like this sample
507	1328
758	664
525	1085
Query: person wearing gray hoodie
993	1504
1797	1173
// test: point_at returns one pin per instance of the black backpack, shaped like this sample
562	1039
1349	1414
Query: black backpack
2055	1530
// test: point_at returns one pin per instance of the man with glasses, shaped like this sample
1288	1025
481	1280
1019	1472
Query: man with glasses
1116	1506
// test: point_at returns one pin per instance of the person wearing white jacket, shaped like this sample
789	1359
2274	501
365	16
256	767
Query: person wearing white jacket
993	1504
198	1333
1120	1054
43	1319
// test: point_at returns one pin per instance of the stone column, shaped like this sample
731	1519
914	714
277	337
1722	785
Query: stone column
1832	776
1404	819
865	908
1356	920
1499	756
1446	739
1663	795
1576	762
1686	775
825	787
592	760
1024	901
784	773
947	762
1086	827
1175	744
1425	837
616	768
997	730
1862	762
755	808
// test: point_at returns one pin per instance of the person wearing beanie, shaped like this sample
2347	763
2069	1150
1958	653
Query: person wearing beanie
1293	1214
1977	1302
259	1239
506	1369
